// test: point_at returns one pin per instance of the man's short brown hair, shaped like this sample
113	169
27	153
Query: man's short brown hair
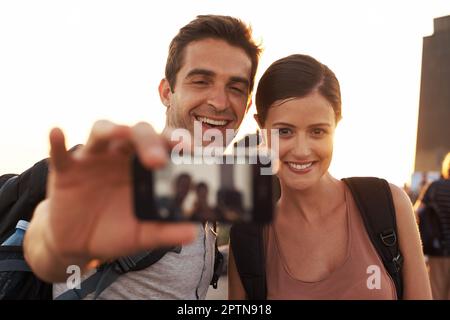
229	29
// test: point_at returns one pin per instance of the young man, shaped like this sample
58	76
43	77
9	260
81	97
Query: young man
87	217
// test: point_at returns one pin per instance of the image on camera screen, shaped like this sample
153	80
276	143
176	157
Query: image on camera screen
204	192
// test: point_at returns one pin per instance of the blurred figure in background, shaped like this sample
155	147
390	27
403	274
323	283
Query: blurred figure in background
437	198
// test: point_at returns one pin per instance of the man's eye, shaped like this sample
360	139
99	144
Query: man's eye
200	82
238	90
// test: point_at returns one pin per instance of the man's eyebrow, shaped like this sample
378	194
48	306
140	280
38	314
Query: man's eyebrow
240	80
209	73
203	72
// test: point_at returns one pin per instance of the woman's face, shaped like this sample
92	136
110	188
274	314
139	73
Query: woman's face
305	127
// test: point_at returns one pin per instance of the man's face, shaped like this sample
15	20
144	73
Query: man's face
212	87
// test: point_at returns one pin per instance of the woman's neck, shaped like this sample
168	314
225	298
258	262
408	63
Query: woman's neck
313	204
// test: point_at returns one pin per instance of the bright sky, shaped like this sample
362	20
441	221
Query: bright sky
69	63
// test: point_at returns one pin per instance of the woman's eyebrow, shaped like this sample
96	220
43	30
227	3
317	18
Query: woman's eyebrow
283	124
320	124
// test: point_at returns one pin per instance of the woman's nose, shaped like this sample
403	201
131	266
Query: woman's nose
301	148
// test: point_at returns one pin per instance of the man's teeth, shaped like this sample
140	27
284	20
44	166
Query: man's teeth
212	122
300	166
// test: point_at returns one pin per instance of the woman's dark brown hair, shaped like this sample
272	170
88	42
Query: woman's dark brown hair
296	76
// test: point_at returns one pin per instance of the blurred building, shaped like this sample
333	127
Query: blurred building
433	134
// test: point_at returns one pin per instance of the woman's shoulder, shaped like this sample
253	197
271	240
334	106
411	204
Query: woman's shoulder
399	195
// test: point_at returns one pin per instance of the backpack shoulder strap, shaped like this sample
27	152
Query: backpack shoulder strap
109	272
246	241
374	200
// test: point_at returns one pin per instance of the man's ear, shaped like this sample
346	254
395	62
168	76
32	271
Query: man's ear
165	92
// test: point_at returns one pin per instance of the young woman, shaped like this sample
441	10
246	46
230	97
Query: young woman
318	246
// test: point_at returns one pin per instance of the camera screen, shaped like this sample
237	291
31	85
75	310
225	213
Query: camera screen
204	192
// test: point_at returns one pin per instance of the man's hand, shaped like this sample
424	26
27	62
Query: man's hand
88	213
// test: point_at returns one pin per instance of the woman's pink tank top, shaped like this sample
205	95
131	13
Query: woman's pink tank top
361	276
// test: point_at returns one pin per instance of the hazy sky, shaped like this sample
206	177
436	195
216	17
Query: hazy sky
69	63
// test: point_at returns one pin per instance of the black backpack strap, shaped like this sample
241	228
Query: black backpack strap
374	200
14	265
109	272
247	244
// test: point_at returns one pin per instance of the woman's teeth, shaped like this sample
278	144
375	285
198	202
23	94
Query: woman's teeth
300	166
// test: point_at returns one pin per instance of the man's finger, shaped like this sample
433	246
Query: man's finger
123	147
103	133
60	158
150	146
179	136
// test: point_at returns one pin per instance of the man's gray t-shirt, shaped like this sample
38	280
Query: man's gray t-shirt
180	276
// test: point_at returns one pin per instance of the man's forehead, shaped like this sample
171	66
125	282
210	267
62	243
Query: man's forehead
217	57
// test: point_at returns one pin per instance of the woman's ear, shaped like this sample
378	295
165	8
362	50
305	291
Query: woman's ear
165	92
261	131
257	119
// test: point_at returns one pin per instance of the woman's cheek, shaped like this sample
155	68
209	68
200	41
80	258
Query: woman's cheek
283	148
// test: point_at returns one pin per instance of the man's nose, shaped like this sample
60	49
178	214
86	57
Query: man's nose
219	99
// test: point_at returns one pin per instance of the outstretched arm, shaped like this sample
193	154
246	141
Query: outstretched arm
88	215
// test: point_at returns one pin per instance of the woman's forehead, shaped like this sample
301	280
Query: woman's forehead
310	108
280	102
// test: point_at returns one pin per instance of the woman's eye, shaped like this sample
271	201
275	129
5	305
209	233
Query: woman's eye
284	131
318	132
